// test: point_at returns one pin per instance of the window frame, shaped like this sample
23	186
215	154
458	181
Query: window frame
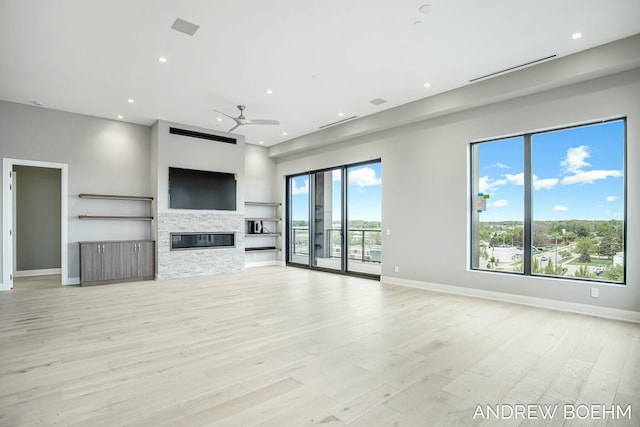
528	202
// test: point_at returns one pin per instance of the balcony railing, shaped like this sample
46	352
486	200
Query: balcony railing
364	244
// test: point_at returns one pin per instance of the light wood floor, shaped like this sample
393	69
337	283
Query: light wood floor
279	346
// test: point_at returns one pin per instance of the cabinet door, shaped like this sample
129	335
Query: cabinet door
91	262
111	261
146	259
128	260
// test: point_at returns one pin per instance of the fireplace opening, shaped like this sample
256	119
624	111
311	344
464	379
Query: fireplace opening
186	241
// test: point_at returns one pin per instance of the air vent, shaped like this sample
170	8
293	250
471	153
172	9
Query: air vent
378	101
338	122
193	134
185	27
506	70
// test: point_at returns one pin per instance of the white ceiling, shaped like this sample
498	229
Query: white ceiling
319	58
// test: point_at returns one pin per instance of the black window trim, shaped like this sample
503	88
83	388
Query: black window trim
528	185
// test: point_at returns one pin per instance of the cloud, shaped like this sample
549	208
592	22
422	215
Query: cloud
363	177
501	166
538	184
489	185
544	184
300	190
517	179
611	198
575	159
560	208
500	203
589	177
336	175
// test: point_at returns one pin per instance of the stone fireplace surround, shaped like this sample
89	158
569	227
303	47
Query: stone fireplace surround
199	262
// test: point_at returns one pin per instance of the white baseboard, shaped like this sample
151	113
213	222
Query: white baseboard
260	264
72	281
41	272
590	310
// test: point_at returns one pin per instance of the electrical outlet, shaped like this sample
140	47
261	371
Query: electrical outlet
396	269
388	232
595	292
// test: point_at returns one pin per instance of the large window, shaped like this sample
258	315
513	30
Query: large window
556	203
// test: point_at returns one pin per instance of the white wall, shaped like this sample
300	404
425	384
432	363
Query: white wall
179	151
425	186
259	170
104	156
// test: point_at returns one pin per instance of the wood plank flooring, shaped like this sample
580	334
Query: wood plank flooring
279	346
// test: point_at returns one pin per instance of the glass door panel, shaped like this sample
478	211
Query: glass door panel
364	213
298	244
327	221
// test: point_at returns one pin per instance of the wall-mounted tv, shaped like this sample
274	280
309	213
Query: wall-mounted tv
196	189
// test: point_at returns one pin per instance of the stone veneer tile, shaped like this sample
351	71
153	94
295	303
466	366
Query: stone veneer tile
199	262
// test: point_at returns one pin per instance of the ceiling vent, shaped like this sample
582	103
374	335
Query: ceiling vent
378	101
506	70
185	27
338	122
201	135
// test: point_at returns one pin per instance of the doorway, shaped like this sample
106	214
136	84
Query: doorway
9	225
334	219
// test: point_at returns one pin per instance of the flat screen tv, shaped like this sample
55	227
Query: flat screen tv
196	189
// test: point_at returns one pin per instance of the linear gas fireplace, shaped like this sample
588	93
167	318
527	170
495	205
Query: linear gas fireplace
186	241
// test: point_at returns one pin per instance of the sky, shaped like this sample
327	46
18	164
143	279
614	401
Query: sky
577	174
364	193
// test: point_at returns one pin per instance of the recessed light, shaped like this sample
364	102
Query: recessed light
576	36
427	85
120	116
131	100
284	134
268	91
219	119
261	142
340	114
425	9
162	59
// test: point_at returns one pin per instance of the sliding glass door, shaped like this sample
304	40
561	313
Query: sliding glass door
298	218
364	214
327	221
334	219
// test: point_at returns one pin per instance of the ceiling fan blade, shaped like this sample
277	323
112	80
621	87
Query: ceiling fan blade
224	114
233	128
262	122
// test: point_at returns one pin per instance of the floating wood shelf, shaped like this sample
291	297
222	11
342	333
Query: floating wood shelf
114	197
262	204
252	250
117	217
262	219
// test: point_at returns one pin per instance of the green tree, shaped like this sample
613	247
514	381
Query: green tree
584	247
554	269
493	263
609	245
535	267
614	273
583	271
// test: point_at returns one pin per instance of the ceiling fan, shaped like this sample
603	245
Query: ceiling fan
242	120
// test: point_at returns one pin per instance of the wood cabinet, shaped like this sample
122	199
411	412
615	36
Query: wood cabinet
116	261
